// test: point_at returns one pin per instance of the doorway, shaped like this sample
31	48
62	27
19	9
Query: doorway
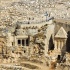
58	58
51	45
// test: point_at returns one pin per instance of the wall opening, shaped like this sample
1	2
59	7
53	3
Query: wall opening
19	41
58	58
51	45
68	42
27	42
24	51
23	43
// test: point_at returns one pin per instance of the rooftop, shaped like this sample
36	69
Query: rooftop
61	33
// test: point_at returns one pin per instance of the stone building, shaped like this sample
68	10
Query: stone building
60	42
29	39
33	36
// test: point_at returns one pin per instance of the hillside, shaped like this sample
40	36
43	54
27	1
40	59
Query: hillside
12	11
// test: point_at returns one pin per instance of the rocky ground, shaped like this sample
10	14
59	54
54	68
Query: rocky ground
25	64
33	64
13	11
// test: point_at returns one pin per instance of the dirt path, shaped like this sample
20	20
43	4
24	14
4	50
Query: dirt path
41	66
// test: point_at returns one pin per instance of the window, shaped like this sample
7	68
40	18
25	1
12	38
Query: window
19	41
23	43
